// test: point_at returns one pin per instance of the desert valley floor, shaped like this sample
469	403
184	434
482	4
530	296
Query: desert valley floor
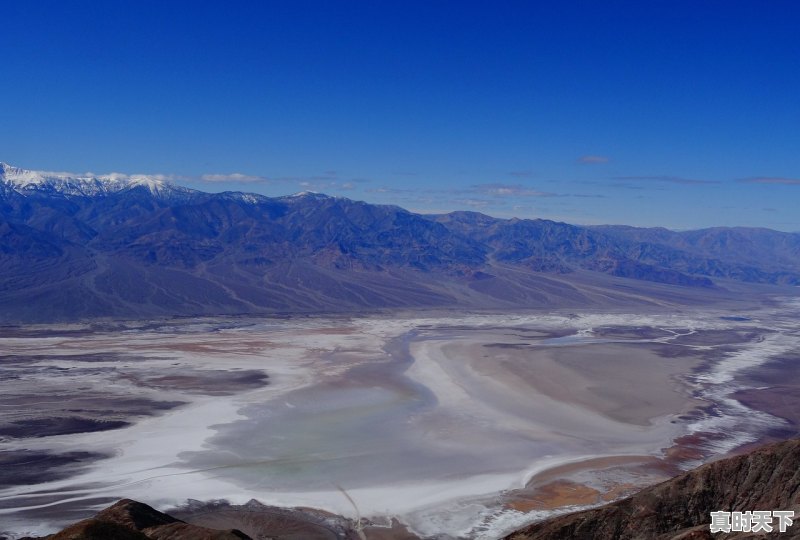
468	425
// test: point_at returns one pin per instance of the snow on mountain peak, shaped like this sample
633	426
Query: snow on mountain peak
308	195
25	181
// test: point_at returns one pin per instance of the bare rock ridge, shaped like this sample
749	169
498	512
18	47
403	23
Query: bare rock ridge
679	509
131	520
83	247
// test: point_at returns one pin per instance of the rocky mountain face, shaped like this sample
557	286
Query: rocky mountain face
746	254
682	258
680	508
135	246
131	520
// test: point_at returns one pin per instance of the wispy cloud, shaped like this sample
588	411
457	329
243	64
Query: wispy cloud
494	195
667	179
326	181
593	160
388	190
234	177
473	203
508	190
129	177
316	184
772	180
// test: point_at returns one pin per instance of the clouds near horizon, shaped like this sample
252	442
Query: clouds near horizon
667	179
772	180
233	177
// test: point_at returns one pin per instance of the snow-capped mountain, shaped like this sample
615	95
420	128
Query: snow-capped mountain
84	246
26	182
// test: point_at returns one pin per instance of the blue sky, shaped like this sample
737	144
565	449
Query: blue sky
682	114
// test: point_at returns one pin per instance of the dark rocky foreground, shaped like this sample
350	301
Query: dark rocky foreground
678	509
131	520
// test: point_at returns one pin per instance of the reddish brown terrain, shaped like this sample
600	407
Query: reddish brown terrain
131	520
679	509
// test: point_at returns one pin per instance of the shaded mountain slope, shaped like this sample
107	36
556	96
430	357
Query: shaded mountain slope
765	479
746	254
681	258
84	247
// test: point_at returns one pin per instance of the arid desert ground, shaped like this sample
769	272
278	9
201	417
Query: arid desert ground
467	425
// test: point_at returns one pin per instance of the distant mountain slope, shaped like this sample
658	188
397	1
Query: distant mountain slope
679	509
684	258
137	246
746	254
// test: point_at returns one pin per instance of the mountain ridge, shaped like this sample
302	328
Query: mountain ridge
120	246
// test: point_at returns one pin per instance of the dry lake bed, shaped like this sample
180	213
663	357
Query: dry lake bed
464	426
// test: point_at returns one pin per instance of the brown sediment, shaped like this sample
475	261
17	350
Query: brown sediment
689	448
395	531
630	383
620	490
595	464
557	487
556	495
680	507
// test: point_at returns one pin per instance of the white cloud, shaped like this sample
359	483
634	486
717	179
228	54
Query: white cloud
233	177
773	180
508	190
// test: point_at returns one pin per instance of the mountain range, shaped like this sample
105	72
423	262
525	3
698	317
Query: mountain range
82	247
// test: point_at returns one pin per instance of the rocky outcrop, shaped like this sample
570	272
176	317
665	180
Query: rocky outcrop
131	520
679	509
